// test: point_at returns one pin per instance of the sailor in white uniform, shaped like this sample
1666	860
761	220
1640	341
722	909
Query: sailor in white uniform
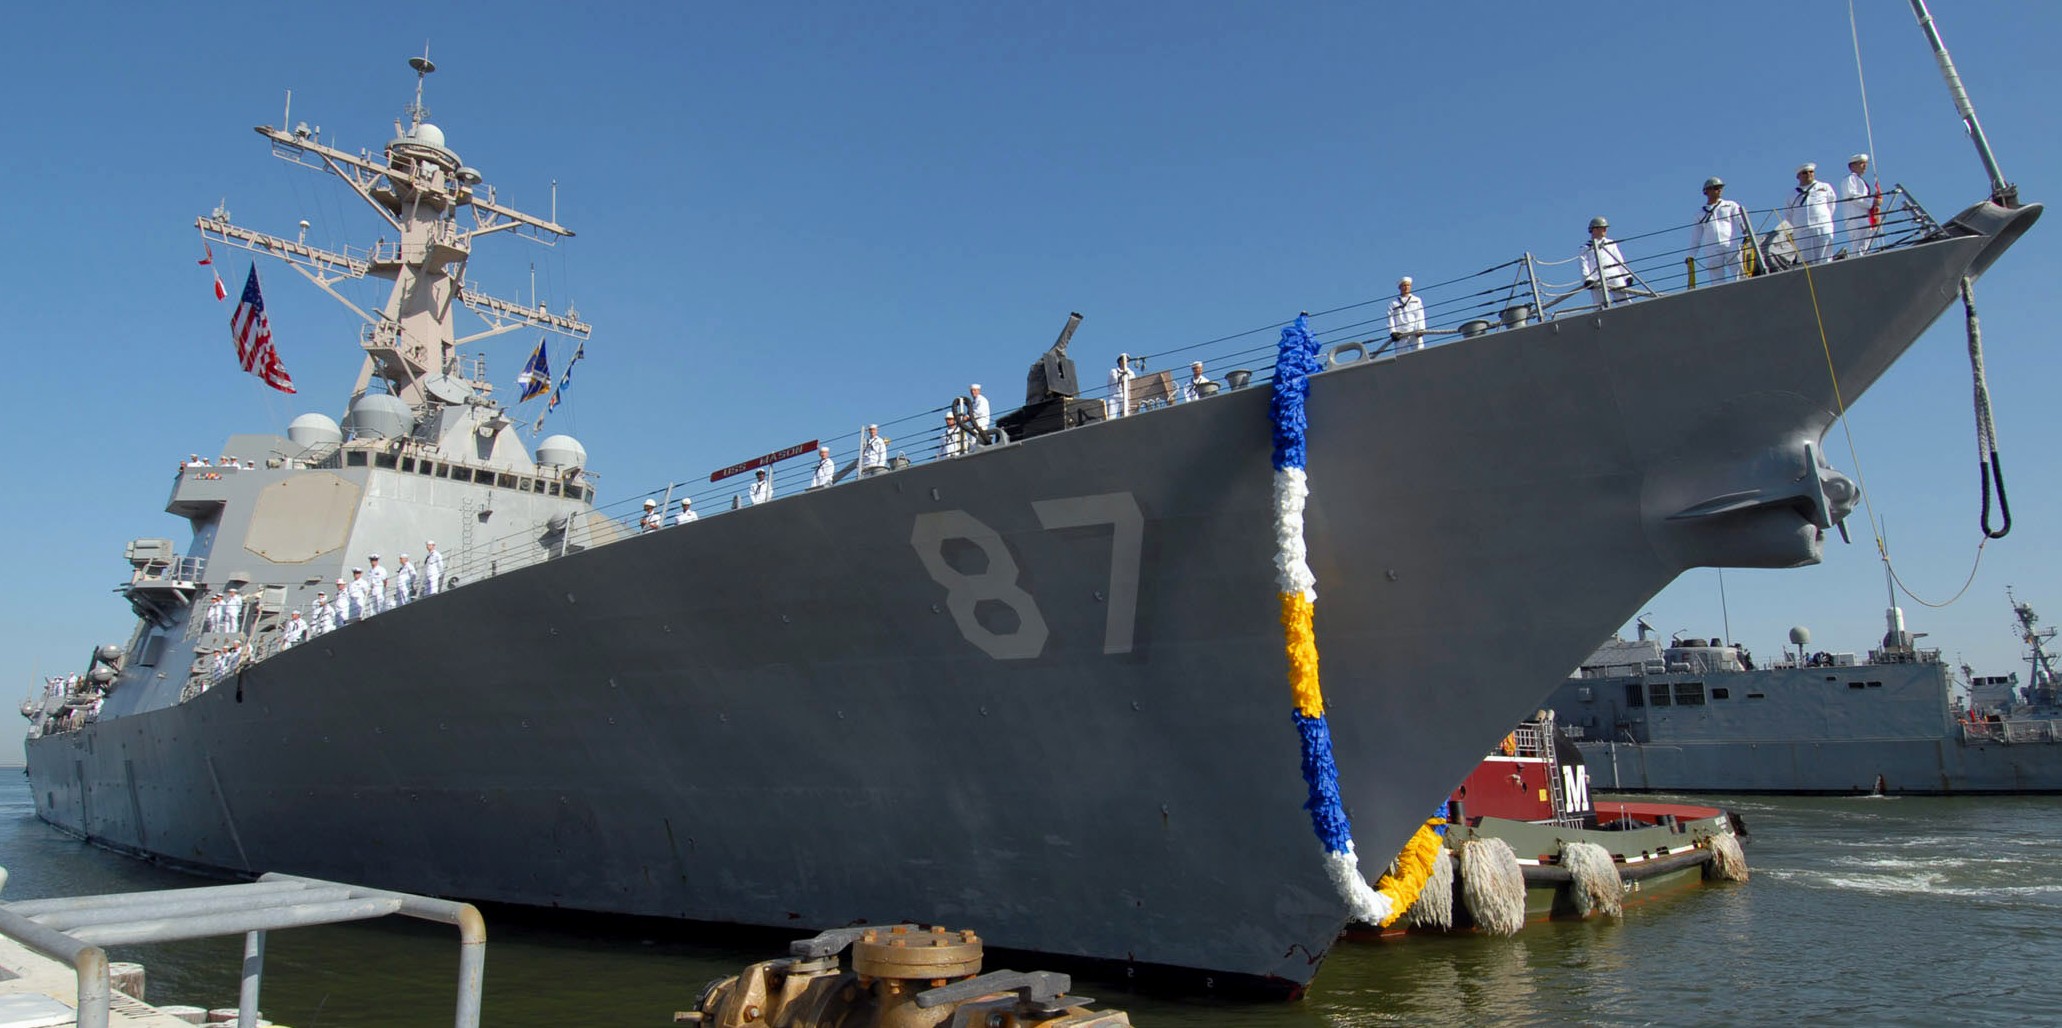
1603	267
1118	403
376	583
232	612
951	442
826	470
1857	203
405	582
873	453
359	595
340	604
321	621
1716	238
291	633
1193	391
1406	318
762	488
1810	214
432	568
981	418
685	514
650	522
212	620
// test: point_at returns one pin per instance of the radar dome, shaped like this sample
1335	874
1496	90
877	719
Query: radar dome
379	416
427	133
562	450
314	430
1800	636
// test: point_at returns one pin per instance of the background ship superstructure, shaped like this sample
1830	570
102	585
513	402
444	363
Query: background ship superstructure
1024	681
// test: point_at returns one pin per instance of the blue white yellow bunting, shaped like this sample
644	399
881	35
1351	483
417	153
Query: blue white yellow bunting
1296	360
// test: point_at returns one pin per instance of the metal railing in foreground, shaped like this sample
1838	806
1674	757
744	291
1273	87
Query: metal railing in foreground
76	930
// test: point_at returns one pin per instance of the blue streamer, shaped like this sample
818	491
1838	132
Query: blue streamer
1295	361
1321	774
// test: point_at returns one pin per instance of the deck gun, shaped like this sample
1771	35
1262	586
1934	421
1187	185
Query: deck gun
1052	393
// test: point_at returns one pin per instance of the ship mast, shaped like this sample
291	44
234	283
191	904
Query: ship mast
2035	638
418	187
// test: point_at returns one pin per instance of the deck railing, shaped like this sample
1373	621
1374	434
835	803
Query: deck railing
1525	290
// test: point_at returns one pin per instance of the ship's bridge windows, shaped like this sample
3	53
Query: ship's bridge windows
354	459
1720	692
383	460
1657	694
1689	694
1635	695
507	482
555	489
408	463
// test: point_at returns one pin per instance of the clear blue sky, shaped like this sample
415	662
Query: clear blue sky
795	218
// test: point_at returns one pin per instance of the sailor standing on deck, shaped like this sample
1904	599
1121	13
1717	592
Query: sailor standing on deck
873	453
212	620
1860	205
650	522
685	514
826	469
232	612
404	582
762	488
1406	318
1810	214
293	631
1197	380
376	584
432	568
981	418
1118	403
359	593
340	604
951	443
1603	267
1715	239
322	621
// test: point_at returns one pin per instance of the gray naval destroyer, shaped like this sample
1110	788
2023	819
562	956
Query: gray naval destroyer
1038	688
1696	717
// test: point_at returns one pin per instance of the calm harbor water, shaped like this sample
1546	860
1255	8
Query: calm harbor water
1868	911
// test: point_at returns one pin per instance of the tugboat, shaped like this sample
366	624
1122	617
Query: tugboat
1530	843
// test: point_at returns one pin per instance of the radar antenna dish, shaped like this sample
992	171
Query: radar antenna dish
423	66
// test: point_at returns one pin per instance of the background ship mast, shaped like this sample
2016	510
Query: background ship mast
418	188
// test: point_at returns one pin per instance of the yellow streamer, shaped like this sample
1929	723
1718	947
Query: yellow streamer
1413	868
1301	642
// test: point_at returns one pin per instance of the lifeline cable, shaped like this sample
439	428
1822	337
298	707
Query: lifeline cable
1861	479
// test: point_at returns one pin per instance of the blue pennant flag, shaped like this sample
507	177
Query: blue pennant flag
565	379
535	380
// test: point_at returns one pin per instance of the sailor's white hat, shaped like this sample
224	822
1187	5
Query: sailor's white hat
429	542
684	501
372	556
651	502
1806	166
976	385
357	571
1404	281
1860	158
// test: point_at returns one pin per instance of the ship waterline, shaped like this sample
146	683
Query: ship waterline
1039	689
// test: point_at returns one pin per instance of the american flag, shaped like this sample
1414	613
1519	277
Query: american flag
253	335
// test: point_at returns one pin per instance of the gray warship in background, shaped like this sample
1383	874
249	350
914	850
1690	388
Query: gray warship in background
1038	688
1692	717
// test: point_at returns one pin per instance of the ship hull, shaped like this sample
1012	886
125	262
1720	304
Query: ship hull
1038	691
1831	730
